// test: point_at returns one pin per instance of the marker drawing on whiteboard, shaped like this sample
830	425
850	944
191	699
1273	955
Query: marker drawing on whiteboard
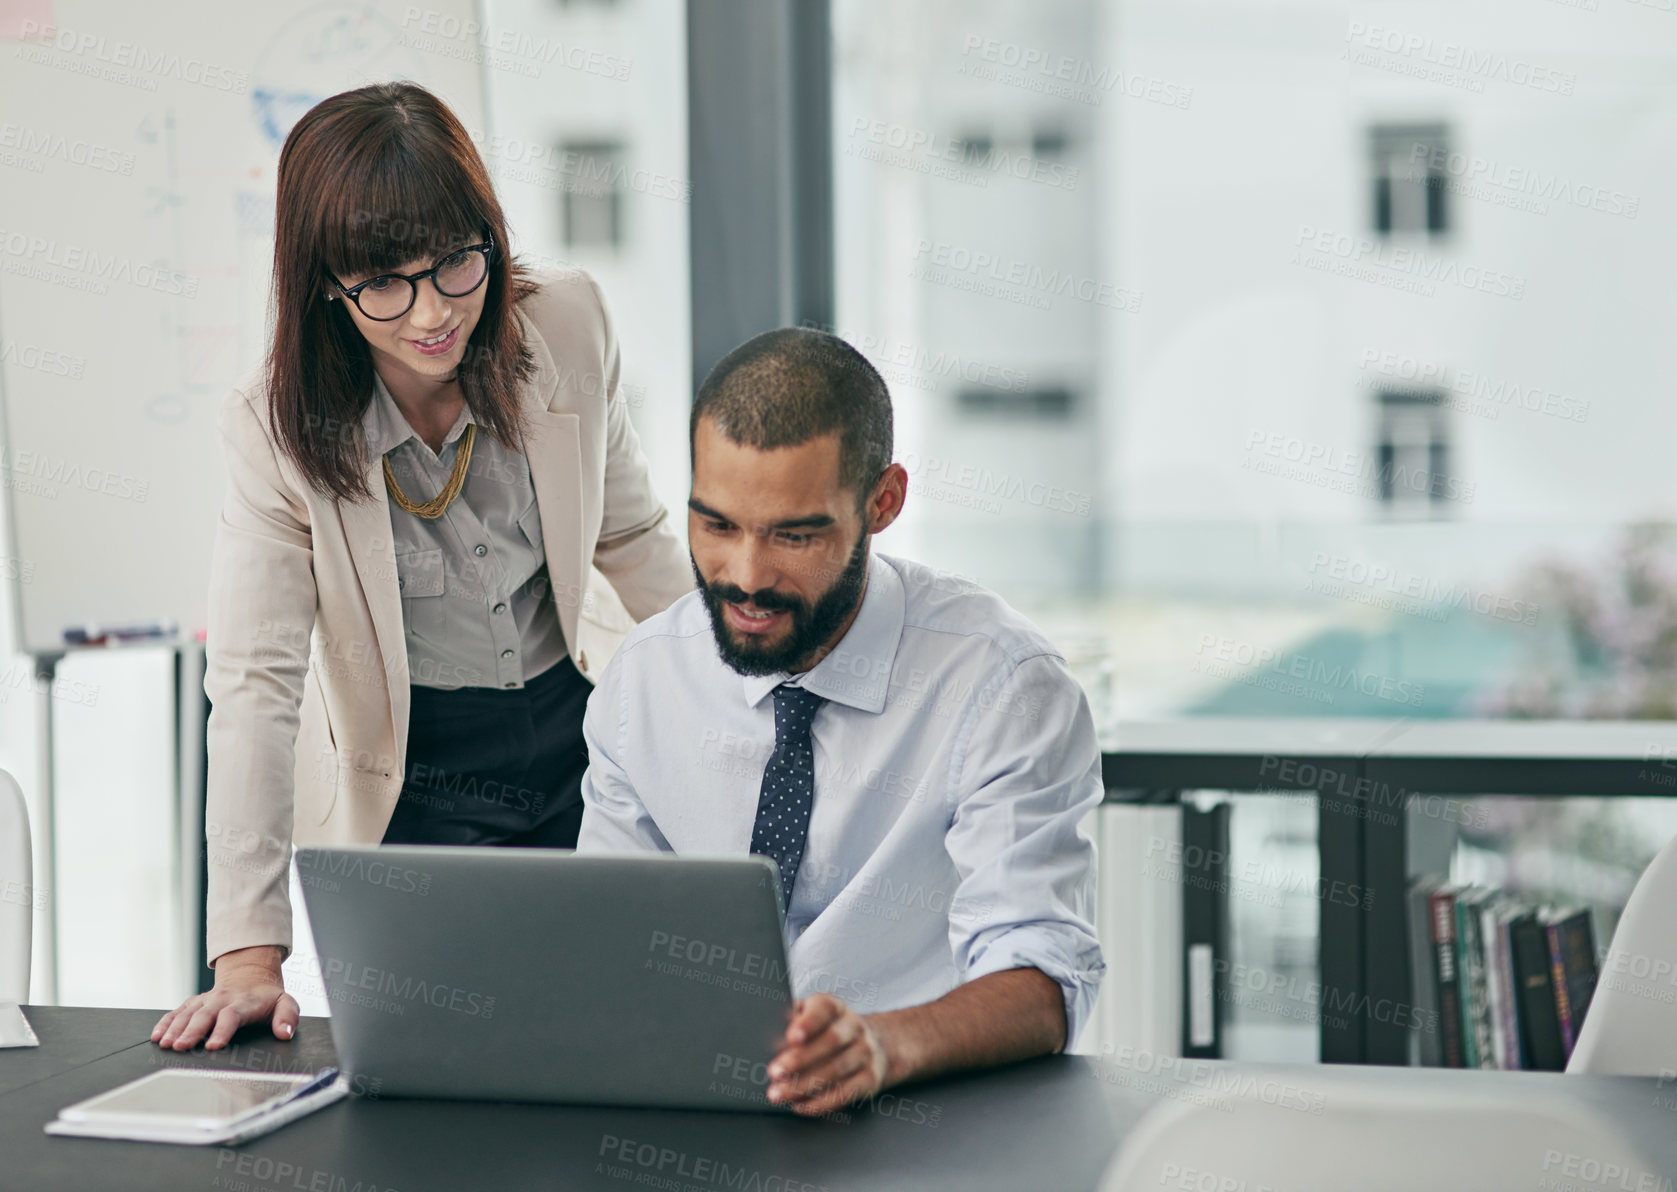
108	635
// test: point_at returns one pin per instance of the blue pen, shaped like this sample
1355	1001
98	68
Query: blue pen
325	1078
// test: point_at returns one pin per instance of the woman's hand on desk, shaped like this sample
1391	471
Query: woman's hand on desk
248	988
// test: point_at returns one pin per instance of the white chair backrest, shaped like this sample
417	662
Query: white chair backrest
1631	1026
17	891
1334	1132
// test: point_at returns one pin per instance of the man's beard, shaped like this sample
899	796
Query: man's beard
811	625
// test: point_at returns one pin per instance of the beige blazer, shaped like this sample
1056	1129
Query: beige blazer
307	668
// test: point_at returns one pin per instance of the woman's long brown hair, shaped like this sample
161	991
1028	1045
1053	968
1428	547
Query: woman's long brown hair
369	180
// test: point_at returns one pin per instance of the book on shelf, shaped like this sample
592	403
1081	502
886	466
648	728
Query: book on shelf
1470	965
1540	1027
1441	907
1498	982
1511	923
1205	929
1163	918
1572	966
1423	975
1499	970
1138	916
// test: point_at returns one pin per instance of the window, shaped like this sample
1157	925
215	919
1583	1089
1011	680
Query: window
1407	166
1414	453
1051	402
1048	143
975	150
592	174
589	155
1304	400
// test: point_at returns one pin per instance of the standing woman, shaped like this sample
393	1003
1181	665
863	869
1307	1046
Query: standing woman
422	480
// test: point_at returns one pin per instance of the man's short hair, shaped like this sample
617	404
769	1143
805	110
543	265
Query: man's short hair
794	384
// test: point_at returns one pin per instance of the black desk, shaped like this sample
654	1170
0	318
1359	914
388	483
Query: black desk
69	1038
1050	1124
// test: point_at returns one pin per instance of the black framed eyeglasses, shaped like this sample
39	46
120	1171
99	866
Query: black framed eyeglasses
389	296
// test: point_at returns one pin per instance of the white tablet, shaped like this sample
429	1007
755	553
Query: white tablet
190	1098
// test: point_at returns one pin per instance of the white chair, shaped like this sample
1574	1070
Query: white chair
17	891
1325	1132
1631	1026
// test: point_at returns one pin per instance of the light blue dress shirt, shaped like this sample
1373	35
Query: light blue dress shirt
955	759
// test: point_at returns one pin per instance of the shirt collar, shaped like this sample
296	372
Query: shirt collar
386	429
857	672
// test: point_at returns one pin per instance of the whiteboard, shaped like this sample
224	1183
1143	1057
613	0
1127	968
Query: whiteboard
138	150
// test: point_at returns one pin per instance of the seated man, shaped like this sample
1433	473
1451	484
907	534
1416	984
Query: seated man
912	753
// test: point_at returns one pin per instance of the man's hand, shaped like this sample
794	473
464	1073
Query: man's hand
248	988
828	1058
831	1056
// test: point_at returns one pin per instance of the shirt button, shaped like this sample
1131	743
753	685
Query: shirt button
500	608
480	550
512	684
506	653
400	584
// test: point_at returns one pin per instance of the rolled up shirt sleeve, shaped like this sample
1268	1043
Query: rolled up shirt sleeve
1029	771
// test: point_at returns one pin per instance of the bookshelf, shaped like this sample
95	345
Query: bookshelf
1360	770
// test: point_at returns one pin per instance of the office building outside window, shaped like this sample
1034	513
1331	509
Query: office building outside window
1407	172
974	150
1048	143
1413	449
1054	401
593	174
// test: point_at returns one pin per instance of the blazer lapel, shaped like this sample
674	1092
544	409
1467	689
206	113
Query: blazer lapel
553	445
555	452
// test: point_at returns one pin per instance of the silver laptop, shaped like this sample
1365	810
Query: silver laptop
540	975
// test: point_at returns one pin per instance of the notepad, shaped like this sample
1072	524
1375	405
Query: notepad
200	1106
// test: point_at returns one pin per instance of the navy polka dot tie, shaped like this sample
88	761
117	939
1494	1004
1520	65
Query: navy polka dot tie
788	786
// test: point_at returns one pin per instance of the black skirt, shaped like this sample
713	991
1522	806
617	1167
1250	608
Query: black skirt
491	766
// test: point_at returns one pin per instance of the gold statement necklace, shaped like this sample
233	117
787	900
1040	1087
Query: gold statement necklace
456	481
